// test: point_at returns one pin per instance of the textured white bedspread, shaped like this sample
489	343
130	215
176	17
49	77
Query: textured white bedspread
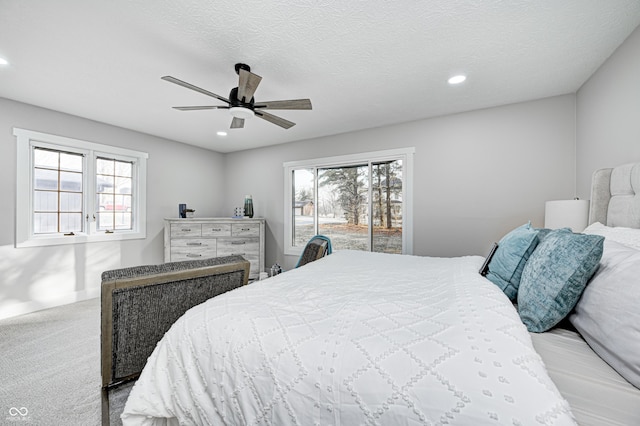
354	338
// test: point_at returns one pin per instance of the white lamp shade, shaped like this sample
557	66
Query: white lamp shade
572	214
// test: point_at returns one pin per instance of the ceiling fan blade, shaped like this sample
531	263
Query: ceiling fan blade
192	87
195	108
237	123
247	85
275	119
290	104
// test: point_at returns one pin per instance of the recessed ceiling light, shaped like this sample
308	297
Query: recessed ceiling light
3	61
222	133
457	79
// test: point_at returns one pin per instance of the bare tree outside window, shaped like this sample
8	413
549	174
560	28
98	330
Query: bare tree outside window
350	185
359	206
303	209
387	207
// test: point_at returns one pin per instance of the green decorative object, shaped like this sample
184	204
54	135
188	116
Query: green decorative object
248	206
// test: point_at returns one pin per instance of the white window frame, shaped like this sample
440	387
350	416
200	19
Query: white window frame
404	154
26	140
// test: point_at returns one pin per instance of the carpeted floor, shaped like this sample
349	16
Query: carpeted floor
50	366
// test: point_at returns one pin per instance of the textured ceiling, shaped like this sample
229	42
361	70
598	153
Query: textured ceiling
362	63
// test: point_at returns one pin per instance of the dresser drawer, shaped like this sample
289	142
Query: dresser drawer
178	256
192	248
186	230
242	246
245	229
246	247
216	229
249	248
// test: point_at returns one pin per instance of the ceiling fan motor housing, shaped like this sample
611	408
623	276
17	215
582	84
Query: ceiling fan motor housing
240	66
234	101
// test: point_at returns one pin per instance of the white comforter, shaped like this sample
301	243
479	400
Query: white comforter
354	338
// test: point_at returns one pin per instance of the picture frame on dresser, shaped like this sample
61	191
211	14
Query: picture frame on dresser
202	238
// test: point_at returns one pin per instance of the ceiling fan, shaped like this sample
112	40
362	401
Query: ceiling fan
241	103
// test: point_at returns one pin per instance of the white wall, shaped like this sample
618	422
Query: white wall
35	278
477	174
608	111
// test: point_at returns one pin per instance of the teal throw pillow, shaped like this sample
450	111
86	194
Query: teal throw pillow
555	277
543	232
507	263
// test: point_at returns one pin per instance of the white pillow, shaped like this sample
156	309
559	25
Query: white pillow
607	315
628	236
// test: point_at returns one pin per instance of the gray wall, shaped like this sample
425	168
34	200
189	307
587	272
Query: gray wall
608	111
35	278
477	174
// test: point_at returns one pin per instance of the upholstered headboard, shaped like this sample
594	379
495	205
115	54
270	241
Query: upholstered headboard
615	196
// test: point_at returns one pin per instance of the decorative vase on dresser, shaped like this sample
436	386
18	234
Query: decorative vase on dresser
189	239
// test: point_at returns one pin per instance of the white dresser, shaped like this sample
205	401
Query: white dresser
189	239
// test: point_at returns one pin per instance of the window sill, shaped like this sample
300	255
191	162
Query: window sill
55	240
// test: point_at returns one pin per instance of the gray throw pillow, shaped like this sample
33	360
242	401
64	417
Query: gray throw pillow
555	277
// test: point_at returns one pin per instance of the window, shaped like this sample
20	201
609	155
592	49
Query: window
361	202
71	191
57	191
113	190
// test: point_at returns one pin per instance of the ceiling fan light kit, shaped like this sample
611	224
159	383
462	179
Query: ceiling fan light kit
241	112
241	103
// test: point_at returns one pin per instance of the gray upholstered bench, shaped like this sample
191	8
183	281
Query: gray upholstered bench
140	304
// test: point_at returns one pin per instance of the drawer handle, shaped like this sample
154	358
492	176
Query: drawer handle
194	244
246	229
193	255
237	243
216	229
186	230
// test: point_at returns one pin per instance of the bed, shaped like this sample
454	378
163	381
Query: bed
369	338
